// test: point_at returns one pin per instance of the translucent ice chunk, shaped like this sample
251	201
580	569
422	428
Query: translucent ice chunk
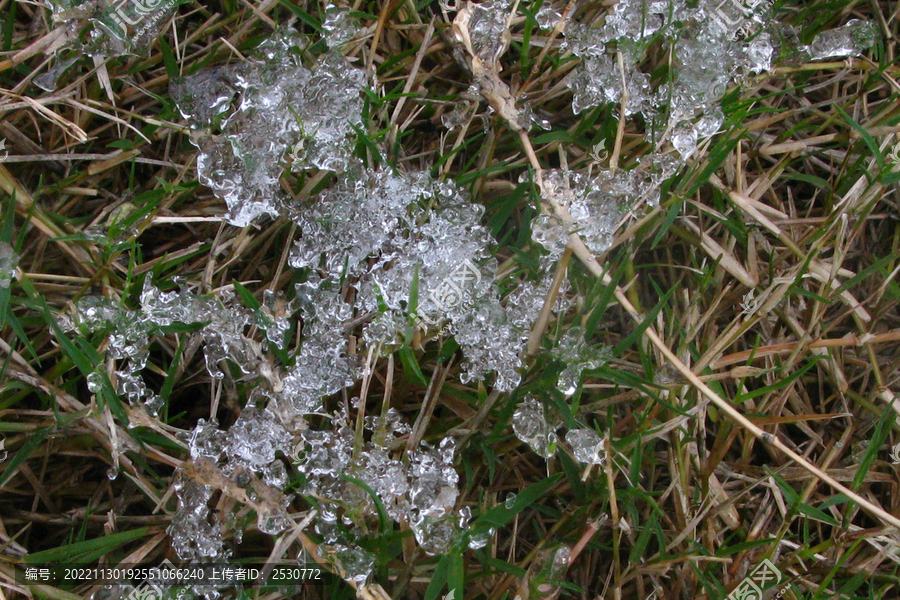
338	26
8	262
850	40
117	27
587	446
578	356
286	113
760	53
547	17
487	29
530	425
255	438
684	138
353	563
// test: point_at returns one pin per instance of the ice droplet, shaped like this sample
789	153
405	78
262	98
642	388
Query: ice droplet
530	425
547	17
587	446
8	262
481	539
684	138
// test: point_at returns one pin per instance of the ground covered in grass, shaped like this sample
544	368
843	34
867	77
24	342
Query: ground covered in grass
533	299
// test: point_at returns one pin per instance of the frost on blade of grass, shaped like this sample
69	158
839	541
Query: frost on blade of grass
9	260
256	116
530	425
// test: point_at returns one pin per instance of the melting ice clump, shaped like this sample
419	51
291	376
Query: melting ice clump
114	28
712	45
530	425
597	204
131	330
8	262
850	40
375	227
579	356
586	445
256	116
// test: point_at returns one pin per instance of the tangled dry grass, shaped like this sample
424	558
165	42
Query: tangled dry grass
750	408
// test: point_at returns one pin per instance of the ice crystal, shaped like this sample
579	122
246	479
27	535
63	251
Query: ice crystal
488	31
547	17
9	260
586	445
850	40
255	438
579	356
114	27
284	112
338	26
713	44
196	533
531	426
353	563
373	226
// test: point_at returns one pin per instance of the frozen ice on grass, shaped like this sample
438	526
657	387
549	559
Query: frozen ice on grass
255	117
488	31
578	356
530	425
9	260
387	230
547	17
112	28
196	532
712	45
850	40
587	446
352	562
338	26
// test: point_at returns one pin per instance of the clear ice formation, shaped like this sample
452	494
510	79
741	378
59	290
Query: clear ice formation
578	356
850	40
257	117
712	44
131	332
338	26
586	445
530	425
114	28
375	227
9	260
597	204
